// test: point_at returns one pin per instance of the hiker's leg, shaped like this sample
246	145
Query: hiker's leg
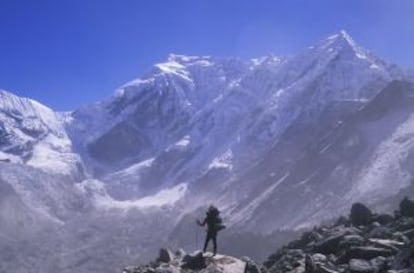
215	243
206	242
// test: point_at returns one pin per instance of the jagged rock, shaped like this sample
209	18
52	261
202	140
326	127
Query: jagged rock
405	223
306	239
361	215
379	264
324	269
407	207
392	245
251	266
310	266
165	256
383	218
180	253
409	233
224	264
319	258
365	253
352	240
399	236
329	245
167	268
360	266
196	261
380	232
342	221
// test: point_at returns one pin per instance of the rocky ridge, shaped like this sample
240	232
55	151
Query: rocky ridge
364	242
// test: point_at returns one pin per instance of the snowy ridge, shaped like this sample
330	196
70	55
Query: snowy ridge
34	134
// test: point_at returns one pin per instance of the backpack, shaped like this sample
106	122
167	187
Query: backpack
218	222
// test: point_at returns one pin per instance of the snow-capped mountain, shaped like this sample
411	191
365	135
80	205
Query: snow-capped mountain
276	143
33	134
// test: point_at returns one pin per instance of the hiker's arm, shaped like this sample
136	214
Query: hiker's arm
201	223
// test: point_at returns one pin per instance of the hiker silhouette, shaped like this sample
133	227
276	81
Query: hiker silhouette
214	225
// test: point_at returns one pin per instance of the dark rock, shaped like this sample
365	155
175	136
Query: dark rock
166	268
194	262
405	223
361	215
379	264
324	269
329	245
165	256
364	253
389	244
310	266
381	232
360	266
407	207
409	233
251	266
306	239
383	219
405	258
319	258
342	221
352	240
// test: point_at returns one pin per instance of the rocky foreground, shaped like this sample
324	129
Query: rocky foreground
364	242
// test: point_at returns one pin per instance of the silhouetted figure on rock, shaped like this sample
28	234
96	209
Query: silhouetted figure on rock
214	225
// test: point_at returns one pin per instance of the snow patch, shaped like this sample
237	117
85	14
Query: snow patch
184	142
224	161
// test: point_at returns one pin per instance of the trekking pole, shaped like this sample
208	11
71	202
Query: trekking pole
196	238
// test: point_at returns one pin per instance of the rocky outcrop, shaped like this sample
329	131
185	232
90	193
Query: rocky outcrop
407	207
365	243
179	262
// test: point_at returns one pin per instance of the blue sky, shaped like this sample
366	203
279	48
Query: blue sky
69	53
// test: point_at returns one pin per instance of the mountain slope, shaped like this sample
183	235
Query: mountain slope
33	134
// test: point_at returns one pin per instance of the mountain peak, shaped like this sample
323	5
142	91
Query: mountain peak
340	39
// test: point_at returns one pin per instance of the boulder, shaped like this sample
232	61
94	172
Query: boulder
196	261
167	268
324	269
380	232
392	245
310	266
361	215
407	207
319	258
328	245
352	240
409	233
165	256
364	253
383	218
360	266
251	266
180	253
379	264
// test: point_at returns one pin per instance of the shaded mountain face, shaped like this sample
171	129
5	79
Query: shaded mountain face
275	143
